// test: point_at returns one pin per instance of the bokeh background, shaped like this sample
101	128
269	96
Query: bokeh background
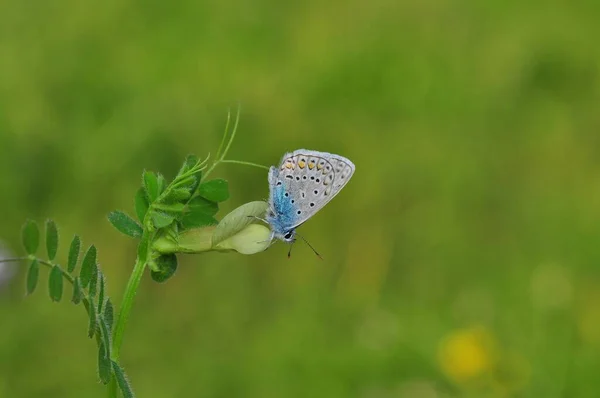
460	261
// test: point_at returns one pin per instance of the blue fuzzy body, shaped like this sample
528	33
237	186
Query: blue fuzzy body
282	214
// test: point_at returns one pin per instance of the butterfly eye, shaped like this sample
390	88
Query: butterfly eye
288	235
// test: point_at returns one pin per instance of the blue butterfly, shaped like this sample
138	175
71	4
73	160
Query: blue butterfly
303	184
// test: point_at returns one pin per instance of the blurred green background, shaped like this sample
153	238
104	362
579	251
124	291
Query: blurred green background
460	261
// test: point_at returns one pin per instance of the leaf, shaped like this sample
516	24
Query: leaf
92	316
238	219
88	266
108	313
93	282
33	275
161	183
204	205
122	381
178	195
170	208
196	218
151	186
214	190
141	204
55	283
105	331
51	239
77	292
188	164
125	224
104	364
73	254
31	237
161	220
166	265
100	291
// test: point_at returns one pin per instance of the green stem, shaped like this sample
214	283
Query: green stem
224	134
221	156
130	291
245	163
127	303
235	127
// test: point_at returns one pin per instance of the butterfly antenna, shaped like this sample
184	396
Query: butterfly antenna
309	245
290	251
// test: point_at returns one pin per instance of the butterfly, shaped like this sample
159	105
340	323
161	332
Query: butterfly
303	184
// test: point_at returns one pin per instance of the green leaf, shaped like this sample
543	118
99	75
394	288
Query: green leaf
55	283
77	292
108	313
88	266
192	184
122	381
100	291
161	183
203	205
178	195
196	218
125	224
31	237
188	164
92	317
104	364
214	190
105	331
73	254
51	239
161	220
171	208
93	282
151	186
33	275
192	181
166	265
238	219
141	204
200	213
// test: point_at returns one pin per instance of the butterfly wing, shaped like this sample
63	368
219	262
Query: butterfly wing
307	180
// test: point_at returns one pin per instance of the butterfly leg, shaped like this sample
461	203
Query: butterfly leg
258	218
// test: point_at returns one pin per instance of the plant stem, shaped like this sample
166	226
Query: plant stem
43	262
130	291
221	156
245	163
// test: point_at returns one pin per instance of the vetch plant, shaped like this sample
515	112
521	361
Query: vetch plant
172	218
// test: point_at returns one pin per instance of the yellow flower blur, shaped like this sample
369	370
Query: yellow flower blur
466	354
